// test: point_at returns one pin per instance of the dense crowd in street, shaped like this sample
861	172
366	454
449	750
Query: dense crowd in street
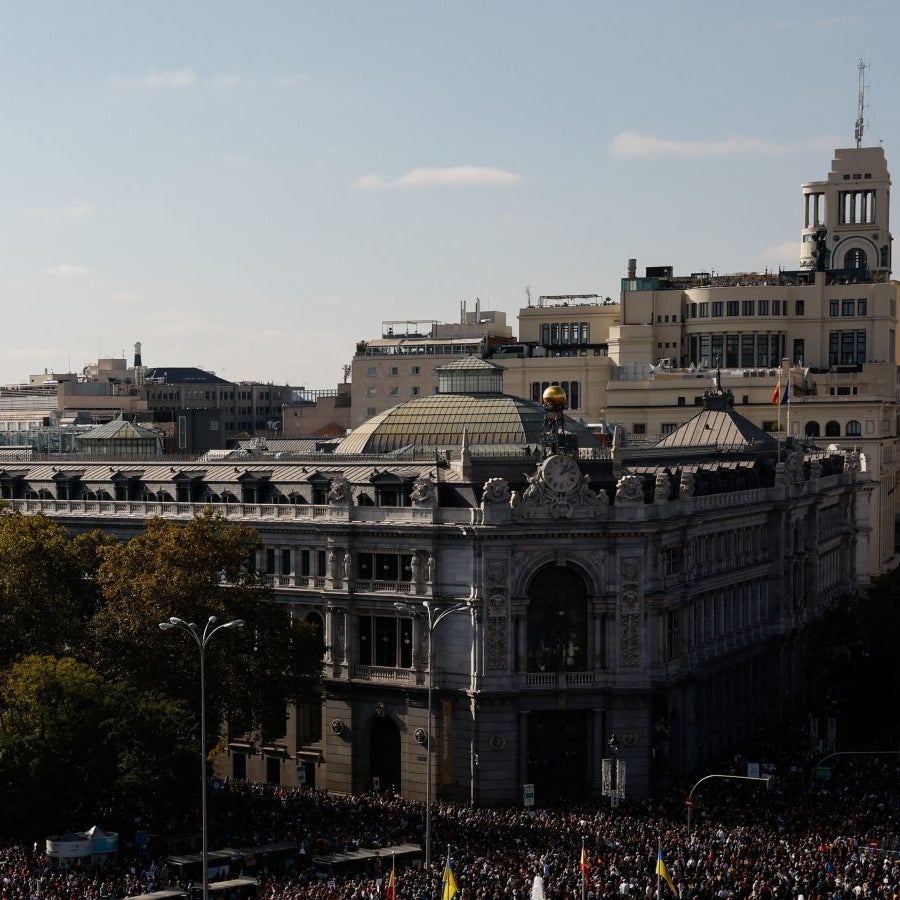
833	843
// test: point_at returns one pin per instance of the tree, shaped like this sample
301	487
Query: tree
76	750
201	569
44	594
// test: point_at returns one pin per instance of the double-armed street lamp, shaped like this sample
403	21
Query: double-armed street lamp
431	616
202	639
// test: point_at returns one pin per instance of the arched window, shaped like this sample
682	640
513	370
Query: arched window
832	429
856	259
854	429
557	621
812	429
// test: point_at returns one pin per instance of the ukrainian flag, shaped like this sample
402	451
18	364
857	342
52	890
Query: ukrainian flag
663	872
448	885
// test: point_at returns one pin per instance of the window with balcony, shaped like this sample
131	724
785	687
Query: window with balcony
385	641
387	567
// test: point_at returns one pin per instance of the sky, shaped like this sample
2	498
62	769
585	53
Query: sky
252	187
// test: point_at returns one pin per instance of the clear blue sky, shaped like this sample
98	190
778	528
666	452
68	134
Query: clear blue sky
254	186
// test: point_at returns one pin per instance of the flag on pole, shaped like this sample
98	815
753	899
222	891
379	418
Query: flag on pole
448	883
786	396
663	872
584	865
776	394
390	890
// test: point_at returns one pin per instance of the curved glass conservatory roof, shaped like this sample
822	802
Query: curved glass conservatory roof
468	400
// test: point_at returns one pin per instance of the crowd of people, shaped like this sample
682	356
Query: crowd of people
837	841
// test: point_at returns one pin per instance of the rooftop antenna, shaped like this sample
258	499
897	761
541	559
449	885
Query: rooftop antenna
861	104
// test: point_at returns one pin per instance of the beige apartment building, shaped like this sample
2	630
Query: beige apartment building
400	365
828	328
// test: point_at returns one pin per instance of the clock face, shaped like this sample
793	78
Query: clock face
561	474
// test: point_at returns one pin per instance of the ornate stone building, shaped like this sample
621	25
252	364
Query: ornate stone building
660	596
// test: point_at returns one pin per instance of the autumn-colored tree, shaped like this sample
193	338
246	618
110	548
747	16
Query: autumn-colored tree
44	594
205	567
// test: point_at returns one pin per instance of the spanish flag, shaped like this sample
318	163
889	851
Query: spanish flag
448	884
776	394
584	865
390	890
663	872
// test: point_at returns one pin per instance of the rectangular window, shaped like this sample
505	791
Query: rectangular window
585	333
799	307
763	307
371	372
799	346
545	333
385	641
833	307
747	308
732	308
746	350
564	333
639	428
668	427
731	351
848	307
393	391
414	370
393	370
717	309
371	392
861	307
704	310
671	634
415	392
693	311
718	342
554	332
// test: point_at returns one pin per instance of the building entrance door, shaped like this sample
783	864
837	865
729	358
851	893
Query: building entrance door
384	756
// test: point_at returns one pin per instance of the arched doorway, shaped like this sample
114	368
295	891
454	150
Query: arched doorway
856	259
384	755
557	641
557	621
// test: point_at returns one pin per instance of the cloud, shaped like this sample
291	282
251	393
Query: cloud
431	176
78	211
226	80
633	144
785	252
172	80
67	270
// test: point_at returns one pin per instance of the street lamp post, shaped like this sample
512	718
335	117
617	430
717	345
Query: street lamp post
202	639
432	616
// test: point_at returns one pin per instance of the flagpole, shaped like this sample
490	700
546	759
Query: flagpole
583	871
778	403
658	875
790	384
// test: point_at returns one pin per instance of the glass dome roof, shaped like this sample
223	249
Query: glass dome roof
439	421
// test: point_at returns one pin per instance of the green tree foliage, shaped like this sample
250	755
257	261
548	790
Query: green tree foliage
76	750
44	594
200	569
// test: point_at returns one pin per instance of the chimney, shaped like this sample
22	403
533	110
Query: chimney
632	268
137	355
